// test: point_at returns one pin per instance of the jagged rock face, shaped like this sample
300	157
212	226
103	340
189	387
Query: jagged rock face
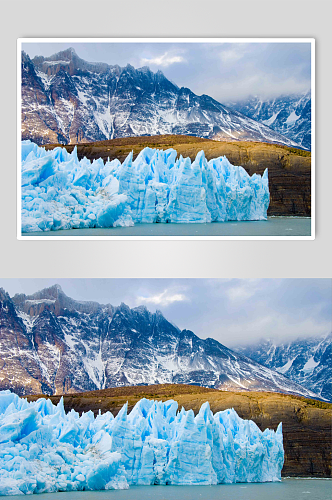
54	300
305	361
68	100
19	366
289	115
53	344
42	124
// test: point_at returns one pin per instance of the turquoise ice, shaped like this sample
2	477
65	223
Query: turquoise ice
44	449
59	191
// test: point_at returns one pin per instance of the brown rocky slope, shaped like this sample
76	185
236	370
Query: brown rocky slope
306	423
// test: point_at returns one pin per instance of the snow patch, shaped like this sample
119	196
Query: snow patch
310	364
283	369
271	119
292	118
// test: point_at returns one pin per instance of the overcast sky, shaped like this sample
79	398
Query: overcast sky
225	71
232	311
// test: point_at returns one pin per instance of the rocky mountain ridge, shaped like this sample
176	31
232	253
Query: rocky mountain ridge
306	361
289	115
53	344
68	100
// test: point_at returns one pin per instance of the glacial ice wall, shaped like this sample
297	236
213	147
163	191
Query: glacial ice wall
43	449
61	192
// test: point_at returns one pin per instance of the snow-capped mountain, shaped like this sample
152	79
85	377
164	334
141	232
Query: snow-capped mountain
53	344
289	115
68	100
306	361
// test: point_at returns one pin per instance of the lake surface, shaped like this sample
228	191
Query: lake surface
273	226
287	489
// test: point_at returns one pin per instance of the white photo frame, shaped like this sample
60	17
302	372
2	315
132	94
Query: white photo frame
21	41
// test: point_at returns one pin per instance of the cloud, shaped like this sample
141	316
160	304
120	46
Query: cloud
242	290
240	293
232	55
165	298
225	71
165	60
232	311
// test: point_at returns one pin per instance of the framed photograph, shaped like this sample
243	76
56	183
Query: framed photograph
165	388
169	138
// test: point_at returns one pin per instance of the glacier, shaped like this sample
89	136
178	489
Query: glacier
45	449
59	191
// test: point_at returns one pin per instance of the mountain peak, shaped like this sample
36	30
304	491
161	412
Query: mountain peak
54	299
129	348
123	306
288	114
145	69
4	296
305	360
141	309
66	54
129	67
110	98
52	291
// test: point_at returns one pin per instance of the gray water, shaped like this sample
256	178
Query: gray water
273	226
287	489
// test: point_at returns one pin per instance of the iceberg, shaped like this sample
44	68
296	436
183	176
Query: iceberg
59	191
45	449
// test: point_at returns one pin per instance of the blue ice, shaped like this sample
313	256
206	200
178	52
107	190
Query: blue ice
44	449
61	192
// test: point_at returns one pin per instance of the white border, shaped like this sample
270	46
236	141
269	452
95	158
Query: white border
165	40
